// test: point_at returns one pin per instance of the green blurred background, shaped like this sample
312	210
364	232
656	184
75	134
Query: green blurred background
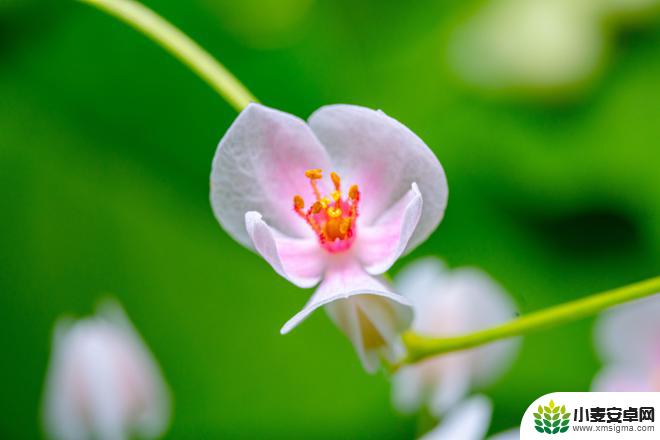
105	150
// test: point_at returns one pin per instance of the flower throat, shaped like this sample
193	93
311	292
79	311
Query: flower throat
331	218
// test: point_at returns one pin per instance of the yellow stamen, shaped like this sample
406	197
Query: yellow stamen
335	180
353	192
332	217
298	202
316	207
344	226
314	173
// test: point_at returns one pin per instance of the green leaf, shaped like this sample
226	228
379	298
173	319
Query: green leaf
539	429
547	417
538	422
564	423
547	430
563	409
555	431
564	429
552	404
540	409
547	409
556	410
547	422
556	423
555	417
537	415
566	416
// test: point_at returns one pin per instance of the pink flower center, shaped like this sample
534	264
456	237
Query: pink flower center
331	218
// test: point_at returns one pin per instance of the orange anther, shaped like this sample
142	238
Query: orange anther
335	180
353	192
298	202
314	173
316	207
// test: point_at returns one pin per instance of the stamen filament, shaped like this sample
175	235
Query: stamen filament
313	175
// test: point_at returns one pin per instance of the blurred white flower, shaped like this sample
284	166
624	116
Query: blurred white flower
469	421
531	45
628	339
547	48
270	193
103	382
449	303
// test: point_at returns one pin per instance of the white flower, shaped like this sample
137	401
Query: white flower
628	339
469	421
529	44
333	201
102	382
550	48
450	303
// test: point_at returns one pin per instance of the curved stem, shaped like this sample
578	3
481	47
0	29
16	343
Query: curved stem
181	46
420	347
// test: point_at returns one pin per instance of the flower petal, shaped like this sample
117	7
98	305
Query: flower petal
439	383
444	301
259	166
407	390
636	321
383	157
416	278
372	324
452	384
100	373
102	381
362	306
444	305
381	244
62	417
300	261
620	378
344	278
153	418
469	421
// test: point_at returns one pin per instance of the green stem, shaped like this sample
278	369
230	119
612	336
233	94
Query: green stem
420	347
181	46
